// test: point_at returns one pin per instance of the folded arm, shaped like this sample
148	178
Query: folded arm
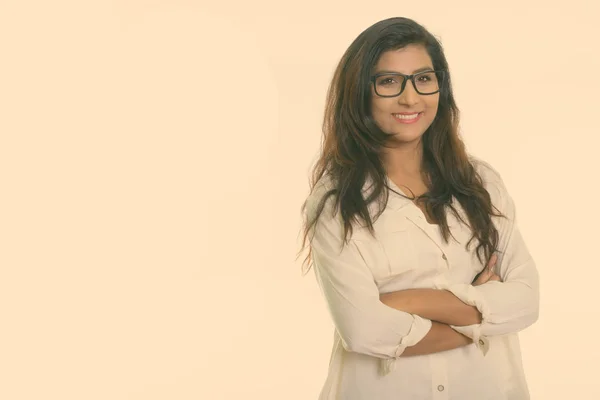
512	304
437	305
441	337
495	307
363	322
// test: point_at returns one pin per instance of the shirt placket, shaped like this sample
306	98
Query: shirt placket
439	377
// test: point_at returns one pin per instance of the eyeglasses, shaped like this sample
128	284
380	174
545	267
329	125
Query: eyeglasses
388	84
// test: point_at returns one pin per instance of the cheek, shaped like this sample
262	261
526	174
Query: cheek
433	105
382	119
380	109
376	112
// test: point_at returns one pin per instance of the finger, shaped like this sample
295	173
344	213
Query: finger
486	277
492	264
492	260
485	274
482	277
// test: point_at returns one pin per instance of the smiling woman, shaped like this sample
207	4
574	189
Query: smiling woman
419	103
427	292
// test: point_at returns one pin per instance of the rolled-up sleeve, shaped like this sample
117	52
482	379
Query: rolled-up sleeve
363	322
511	305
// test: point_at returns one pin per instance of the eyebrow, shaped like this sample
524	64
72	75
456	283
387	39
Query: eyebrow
416	71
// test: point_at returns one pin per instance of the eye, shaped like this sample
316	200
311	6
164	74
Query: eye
387	81
427	77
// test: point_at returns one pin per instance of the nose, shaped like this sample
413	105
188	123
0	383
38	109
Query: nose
409	95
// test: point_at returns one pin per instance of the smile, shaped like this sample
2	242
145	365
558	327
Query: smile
407	118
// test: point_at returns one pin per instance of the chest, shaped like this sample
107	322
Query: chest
423	209
408	251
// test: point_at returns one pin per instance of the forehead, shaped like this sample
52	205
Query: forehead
405	60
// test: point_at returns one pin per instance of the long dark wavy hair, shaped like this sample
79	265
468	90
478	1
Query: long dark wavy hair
352	144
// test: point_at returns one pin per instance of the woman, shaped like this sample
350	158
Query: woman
414	242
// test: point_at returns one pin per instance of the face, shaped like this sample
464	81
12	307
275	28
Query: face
386	110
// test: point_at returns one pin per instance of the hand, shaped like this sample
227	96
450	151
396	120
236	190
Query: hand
488	273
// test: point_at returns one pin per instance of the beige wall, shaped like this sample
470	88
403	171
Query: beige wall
154	156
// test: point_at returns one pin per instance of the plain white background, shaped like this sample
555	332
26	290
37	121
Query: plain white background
155	155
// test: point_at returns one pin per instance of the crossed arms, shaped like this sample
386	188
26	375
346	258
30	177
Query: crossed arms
444	309
423	321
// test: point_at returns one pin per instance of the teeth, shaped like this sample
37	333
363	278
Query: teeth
409	116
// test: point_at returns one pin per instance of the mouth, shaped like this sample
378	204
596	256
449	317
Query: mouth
407	118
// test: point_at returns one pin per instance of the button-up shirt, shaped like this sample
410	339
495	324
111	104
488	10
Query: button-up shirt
409	252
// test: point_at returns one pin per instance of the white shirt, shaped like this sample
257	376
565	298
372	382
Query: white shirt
408	252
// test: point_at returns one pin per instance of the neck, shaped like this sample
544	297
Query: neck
404	160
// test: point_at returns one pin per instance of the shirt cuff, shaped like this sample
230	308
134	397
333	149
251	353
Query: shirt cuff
468	294
418	330
474	332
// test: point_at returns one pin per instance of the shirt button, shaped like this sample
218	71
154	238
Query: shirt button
441	388
481	342
444	257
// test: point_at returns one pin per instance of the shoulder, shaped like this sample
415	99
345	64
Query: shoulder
318	193
488	173
323	217
491	177
493	183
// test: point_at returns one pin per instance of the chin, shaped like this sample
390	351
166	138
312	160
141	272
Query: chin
408	138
